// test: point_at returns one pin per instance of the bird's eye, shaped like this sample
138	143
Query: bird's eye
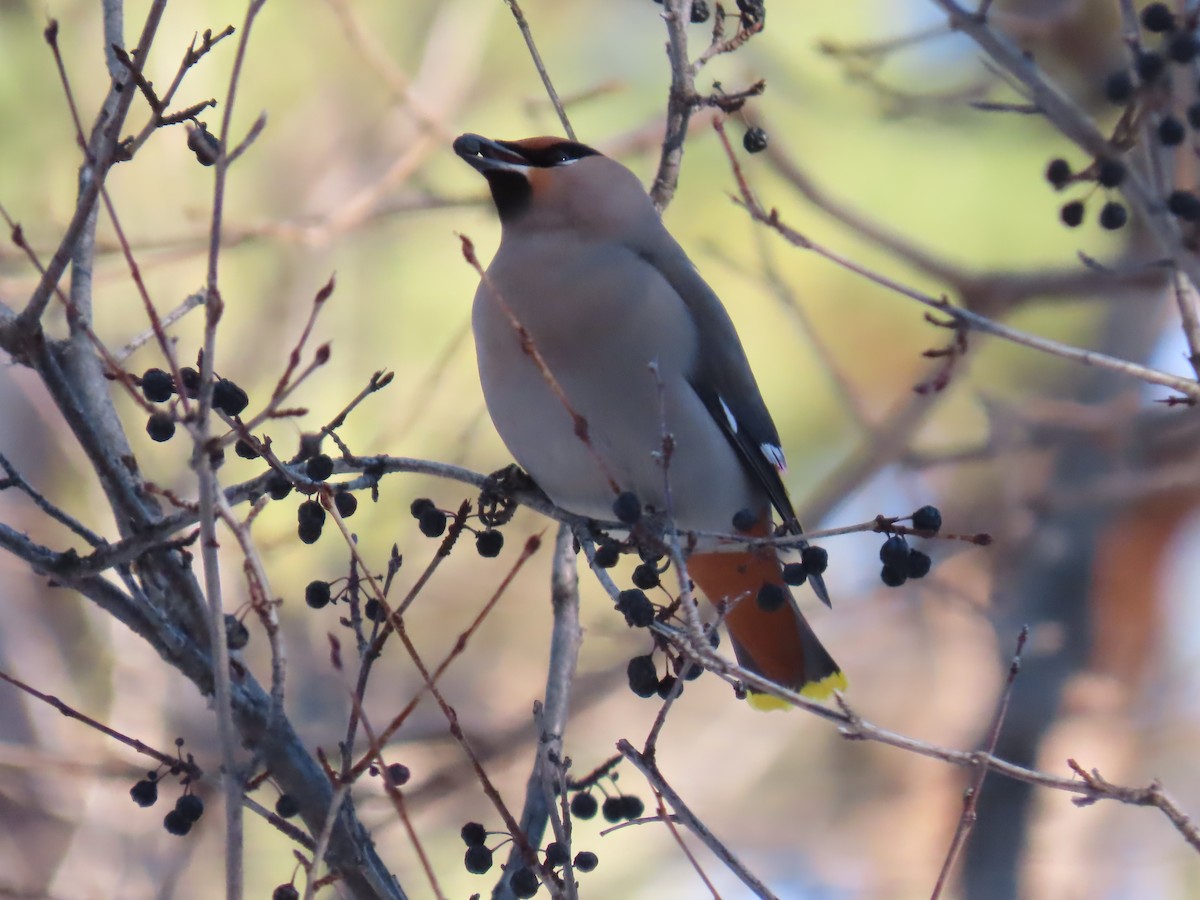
561	155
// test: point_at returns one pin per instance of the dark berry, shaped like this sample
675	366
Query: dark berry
894	577
636	607
473	834
237	635
643	681
399	773
645	576
191	806
815	560
309	533
177	823
771	597
691	671
1058	173
310	512
584	806
1171	131
418	506
489	543
753	12
216	459
1149	66
285	892
191	382
145	792
754	140
1072	213
556	854
374	610
317	594
700	11
666	685
627	508
432	522
1118	88
585	860
894	551
244	450
478	859
1182	47
319	467
744	520
524	884
160	426
345	503
1113	215
286	806
1110	172
608	555
204	144
278	486
157	385
918	565
613	809
1185	205
229	398
632	807
1157	17
927	518
794	574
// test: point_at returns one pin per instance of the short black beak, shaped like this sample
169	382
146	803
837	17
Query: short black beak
487	155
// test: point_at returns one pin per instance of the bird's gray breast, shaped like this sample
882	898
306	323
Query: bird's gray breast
599	316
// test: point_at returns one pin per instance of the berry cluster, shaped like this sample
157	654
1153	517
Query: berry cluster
1144	91
432	522
159	386
188	807
642	673
902	562
478	859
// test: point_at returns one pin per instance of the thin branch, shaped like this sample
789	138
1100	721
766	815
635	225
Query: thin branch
515	8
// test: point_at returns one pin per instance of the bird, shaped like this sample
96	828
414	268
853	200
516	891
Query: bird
595	334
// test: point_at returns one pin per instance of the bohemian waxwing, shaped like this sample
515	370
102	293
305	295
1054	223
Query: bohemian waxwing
585	293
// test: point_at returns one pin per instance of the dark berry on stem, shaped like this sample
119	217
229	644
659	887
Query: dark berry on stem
176	823
814	559
607	556
145	792
237	635
1110	172
191	806
643	681
894	552
524	883
489	543
1072	213
744	520
229	398
278	486
244	450
700	12
285	892
478	859
586	860
310	511
1182	47
627	508
1113	216
191	382
157	385
893	577
918	565
794	574
1157	17
666	685
636	607
1149	66
160	426
645	576
1171	131
1118	88
346	504
556	854
754	140
374	610
309	533
399	773
319	467
473	834
584	806
286	806
613	809
632	806
771	597
1058	173
418	506
927	518
1185	205
317	594
432	522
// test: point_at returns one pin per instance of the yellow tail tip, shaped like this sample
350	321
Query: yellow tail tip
814	690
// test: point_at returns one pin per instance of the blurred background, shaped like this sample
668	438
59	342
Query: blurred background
1086	482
